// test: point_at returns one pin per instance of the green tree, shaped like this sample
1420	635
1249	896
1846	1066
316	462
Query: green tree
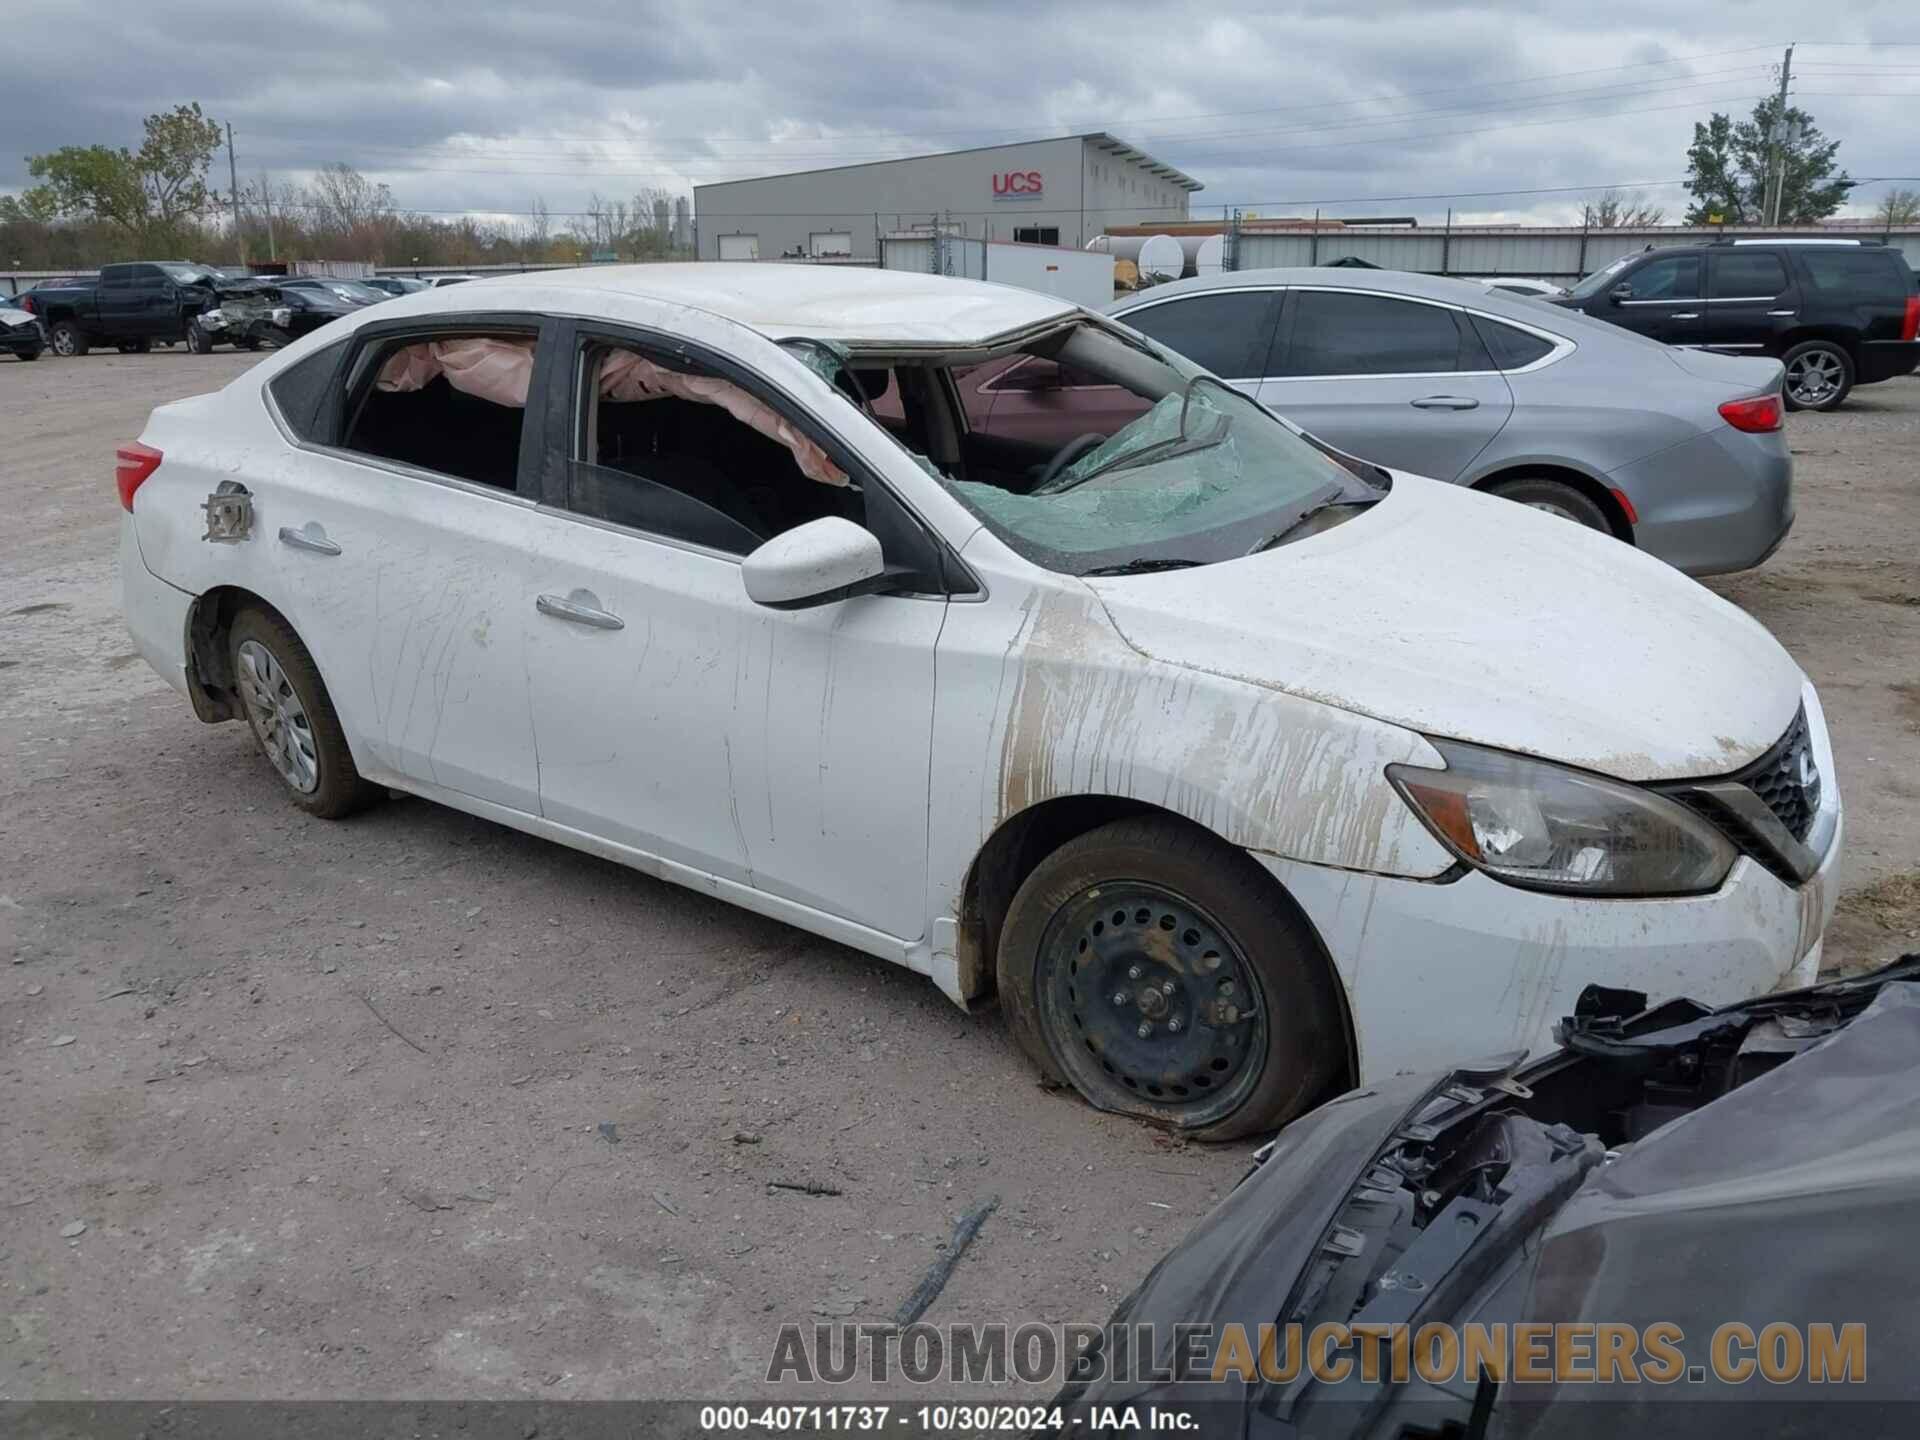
152	195
1728	169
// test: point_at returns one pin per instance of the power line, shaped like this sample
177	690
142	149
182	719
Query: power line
1592	96
1628	185
1085	127
1286	150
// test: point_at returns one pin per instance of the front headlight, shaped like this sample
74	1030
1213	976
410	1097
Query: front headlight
281	317
1546	827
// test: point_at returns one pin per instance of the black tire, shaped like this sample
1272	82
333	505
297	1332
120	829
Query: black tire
33	354
1819	375
337	789
68	340
247	342
199	339
1556	497
136	347
1195	924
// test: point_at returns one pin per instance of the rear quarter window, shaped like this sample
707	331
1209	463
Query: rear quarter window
302	391
1855	272
1511	347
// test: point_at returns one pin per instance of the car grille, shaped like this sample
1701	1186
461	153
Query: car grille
1787	778
1787	782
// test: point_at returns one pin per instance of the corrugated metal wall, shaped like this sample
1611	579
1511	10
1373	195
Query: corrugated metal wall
1553	254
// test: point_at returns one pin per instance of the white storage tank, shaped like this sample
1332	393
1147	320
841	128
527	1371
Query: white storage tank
1158	257
1204	254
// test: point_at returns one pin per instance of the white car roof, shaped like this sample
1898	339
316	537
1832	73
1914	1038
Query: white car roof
826	302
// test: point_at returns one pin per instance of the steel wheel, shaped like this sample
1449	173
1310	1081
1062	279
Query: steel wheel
1147	1002
278	715
1814	377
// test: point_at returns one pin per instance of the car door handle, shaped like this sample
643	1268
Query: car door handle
1783	312
582	607
1686	315
308	537
1445	402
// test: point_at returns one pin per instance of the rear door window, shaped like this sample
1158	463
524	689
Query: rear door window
450	402
1229	332
1746	275
1343	333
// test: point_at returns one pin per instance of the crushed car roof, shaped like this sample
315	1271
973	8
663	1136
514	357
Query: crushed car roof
785	301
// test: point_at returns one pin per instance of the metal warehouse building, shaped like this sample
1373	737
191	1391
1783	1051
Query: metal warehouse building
1044	192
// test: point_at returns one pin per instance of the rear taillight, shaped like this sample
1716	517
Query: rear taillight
1756	416
25	302
133	464
1910	327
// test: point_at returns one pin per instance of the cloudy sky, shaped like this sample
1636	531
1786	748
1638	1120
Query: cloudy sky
490	105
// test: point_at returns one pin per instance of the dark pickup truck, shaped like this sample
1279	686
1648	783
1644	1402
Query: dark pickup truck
130	306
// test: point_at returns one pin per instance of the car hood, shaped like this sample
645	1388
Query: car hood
9	315
1469	617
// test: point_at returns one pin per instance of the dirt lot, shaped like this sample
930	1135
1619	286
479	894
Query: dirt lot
418	1106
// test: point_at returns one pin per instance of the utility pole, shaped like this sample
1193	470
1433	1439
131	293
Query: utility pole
266	202
1778	170
233	180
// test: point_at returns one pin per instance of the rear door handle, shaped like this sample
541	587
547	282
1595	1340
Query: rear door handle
1783	312
1445	402
1688	315
309	536
581	607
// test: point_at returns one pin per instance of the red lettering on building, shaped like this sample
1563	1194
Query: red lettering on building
1017	184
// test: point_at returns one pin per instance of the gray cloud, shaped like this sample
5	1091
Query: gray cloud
487	105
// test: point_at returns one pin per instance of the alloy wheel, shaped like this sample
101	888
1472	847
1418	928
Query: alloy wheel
279	718
63	344
1812	378
1150	1004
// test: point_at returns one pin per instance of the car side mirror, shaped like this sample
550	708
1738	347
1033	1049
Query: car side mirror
1622	291
816	564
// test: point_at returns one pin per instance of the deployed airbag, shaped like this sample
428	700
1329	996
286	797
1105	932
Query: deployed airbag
627	376
501	370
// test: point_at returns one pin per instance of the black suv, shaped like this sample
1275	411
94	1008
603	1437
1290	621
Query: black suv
1838	313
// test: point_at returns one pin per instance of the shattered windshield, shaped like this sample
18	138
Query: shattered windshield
1092	452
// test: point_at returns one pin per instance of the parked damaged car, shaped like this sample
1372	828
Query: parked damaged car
21	333
270	312
1668	1176
1241	769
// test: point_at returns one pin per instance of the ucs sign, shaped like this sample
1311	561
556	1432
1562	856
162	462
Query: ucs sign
1018	185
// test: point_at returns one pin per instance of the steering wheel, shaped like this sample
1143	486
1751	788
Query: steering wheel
1065	456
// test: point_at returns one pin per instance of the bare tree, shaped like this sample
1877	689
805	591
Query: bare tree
1900	206
537	228
1611	210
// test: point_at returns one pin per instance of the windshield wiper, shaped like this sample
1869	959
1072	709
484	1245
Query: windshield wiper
1143	564
1279	537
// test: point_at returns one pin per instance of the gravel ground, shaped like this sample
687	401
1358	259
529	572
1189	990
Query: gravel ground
416	1105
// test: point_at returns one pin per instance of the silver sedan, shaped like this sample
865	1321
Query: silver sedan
1677	451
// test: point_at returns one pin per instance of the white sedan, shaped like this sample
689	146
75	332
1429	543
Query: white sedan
1240	769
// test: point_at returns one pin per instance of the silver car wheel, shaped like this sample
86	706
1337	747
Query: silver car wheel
1813	377
63	345
278	717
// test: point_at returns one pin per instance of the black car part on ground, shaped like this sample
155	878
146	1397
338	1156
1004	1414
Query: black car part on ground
1663	1165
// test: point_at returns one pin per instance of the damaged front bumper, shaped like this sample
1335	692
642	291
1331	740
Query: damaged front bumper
1434	969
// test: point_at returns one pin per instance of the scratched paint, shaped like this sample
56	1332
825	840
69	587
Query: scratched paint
1085	714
